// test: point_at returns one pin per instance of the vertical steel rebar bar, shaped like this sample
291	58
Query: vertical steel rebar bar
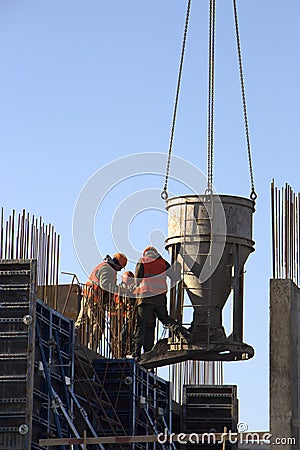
285	232
273	227
23	237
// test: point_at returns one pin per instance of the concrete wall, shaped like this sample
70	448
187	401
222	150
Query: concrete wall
285	362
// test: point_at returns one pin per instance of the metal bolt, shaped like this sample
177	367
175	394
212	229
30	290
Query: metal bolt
27	319
128	381
23	429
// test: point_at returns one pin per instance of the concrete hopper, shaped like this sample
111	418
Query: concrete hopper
211	237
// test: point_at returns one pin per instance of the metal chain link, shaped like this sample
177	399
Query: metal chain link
164	194
210	131
211	95
253	194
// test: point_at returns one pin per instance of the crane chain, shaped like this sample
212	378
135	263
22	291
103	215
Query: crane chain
253	194
211	96
164	194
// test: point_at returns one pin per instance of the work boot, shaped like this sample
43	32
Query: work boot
186	336
137	350
183	333
133	356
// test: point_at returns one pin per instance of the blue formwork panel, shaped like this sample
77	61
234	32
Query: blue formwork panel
139	398
57	340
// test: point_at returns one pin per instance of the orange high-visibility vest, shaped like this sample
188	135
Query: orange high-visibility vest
154	280
92	288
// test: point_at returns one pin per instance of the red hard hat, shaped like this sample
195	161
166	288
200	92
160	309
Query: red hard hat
126	276
148	249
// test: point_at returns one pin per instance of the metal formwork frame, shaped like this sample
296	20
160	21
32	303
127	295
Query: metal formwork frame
17	303
54	362
145	397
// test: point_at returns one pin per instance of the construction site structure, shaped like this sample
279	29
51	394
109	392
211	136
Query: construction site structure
76	382
52	386
27	237
58	384
37	361
285	317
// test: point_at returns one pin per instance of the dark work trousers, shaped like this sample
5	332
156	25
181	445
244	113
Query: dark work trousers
148	340
149	337
147	307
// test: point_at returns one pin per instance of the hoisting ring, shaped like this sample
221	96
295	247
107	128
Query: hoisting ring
164	195
253	195
208	191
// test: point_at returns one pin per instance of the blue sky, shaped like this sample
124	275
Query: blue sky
85	83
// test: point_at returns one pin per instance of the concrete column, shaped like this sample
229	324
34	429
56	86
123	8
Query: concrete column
285	362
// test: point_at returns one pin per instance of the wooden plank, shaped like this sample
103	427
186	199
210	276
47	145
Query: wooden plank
257	435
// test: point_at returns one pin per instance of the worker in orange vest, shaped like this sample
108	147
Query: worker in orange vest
150	274
101	283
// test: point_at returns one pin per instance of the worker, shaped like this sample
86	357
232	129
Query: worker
127	288
101	283
128	280
126	302
150	274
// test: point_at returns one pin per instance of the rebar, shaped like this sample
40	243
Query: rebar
22	237
106	326
194	372
285	233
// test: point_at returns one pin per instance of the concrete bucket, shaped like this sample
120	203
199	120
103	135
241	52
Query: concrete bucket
210	237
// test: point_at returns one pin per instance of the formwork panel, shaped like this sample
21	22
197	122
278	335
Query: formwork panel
210	409
139	398
54	330
25	406
17	306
